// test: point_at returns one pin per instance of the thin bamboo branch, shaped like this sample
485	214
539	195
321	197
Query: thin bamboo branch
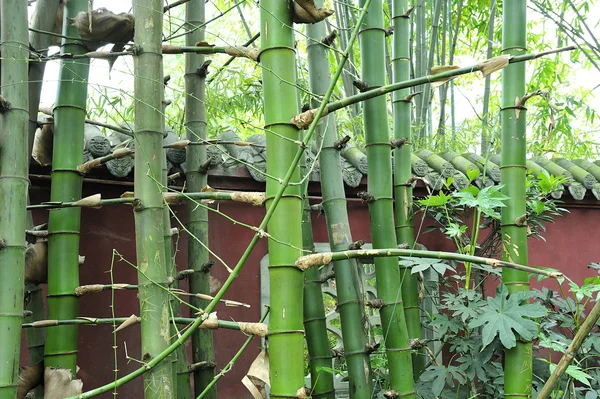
583	333
229	365
95	201
323	258
174	4
304	119
212	323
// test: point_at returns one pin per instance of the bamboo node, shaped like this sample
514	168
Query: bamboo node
372	347
202	70
88	289
242	51
361	85
341	143
306	262
391	394
44	323
494	64
356	245
365	196
302	393
256	199
398	143
5	105
93	201
171	198
302	121
375	303
330	38
260	329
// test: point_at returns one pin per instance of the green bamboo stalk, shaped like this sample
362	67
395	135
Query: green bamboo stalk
179	364
286	284
195	122
403	196
13	187
583	333
350	303
149	214
307	261
396	335
291	171
518	360
304	120
63	224
315	322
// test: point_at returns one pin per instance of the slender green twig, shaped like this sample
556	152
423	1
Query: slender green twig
229	365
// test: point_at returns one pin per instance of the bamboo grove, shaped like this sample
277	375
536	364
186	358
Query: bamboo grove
358	72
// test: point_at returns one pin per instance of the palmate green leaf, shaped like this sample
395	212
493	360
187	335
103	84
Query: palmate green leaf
441	376
436	200
504	316
420	264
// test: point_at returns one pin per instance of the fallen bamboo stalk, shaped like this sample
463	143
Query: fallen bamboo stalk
323	258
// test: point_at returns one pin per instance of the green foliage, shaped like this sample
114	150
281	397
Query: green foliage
503	313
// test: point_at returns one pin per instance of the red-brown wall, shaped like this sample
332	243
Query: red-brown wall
569	247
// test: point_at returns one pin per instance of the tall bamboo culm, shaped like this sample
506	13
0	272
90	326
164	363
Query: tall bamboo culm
286	335
350	303
43	19
377	137
403	193
518	361
149	216
63	224
315	322
13	187
195	122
